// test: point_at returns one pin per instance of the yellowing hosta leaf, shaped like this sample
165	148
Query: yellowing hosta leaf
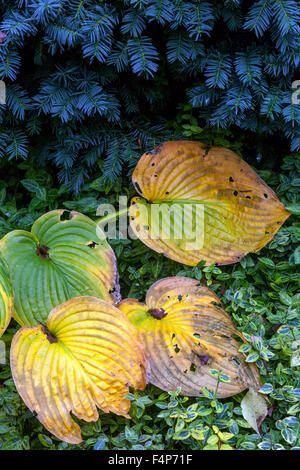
85	358
59	259
186	334
6	301
201	203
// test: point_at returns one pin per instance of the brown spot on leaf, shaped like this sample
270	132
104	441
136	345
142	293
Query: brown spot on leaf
157	313
43	251
204	358
52	339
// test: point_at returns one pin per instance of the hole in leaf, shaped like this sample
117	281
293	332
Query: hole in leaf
66	215
92	244
193	367
176	348
265	195
137	187
206	149
235	193
231	179
235	360
179	297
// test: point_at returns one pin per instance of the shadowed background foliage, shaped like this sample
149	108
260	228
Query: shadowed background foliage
91	82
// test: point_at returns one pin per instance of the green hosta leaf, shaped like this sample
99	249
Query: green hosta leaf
59	259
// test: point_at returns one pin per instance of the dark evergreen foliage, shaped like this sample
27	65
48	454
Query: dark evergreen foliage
93	79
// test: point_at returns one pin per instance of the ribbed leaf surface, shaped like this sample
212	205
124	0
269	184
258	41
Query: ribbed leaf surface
58	260
85	358
186	334
239	212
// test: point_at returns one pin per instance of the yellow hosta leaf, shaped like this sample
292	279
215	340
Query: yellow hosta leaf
6	300
186	334
201	203
86	357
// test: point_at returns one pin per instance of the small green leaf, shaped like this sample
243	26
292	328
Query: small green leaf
266	389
